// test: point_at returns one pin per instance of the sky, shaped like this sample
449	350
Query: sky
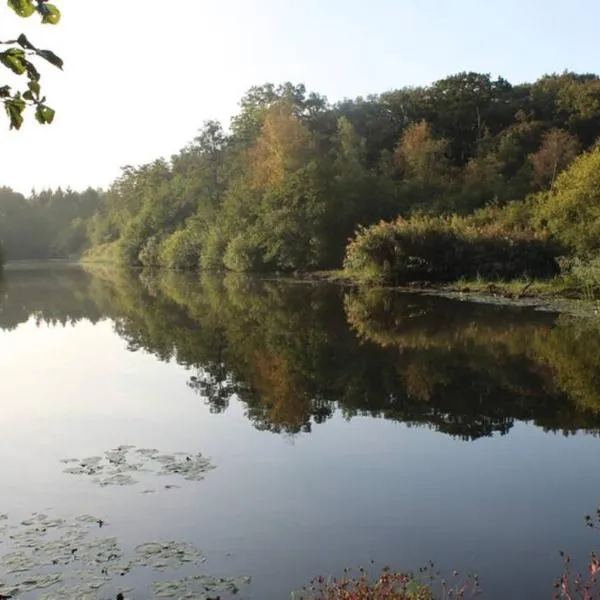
141	76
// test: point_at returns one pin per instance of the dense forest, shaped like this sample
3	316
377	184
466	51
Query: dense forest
468	177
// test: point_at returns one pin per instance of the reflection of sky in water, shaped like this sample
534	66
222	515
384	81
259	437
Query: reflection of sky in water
278	508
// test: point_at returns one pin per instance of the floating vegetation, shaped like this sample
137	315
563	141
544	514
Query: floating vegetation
198	587
70	560
123	466
168	556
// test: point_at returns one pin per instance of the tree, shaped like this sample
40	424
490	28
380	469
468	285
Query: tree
571	211
17	59
421	157
558	150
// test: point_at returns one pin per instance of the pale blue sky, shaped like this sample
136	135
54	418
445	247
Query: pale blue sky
191	60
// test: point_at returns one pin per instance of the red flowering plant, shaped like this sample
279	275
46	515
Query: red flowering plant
391	585
580	586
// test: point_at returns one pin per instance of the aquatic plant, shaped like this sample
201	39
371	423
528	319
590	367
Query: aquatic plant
576	585
69	559
390	585
118	466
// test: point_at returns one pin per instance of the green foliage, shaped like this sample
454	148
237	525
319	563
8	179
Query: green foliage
571	211
284	190
437	249
182	249
149	255
17	59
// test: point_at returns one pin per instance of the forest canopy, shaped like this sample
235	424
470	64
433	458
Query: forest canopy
468	163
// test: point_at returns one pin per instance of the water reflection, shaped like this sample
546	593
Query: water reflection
296	353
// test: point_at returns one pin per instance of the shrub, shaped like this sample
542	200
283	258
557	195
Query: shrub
242	254
583	274
572	210
149	255
438	249
390	585
422	248
181	250
213	249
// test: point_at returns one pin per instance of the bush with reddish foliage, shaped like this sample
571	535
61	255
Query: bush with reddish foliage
389	585
580	586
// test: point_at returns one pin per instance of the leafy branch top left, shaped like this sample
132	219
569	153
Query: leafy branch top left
18	58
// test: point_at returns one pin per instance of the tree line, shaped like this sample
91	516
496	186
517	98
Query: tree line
46	224
470	160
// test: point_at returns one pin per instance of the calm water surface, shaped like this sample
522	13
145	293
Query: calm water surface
344	426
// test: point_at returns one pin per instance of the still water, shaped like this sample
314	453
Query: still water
336	427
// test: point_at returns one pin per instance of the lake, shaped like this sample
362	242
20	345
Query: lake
161	427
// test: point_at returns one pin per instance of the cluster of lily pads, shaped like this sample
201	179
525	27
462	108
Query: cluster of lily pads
53	558
68	559
124	464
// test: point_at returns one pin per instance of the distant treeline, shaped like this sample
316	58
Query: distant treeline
46	224
473	166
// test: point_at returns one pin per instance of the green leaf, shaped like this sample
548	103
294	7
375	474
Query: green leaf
5	91
25	43
44	114
32	72
14	108
24	8
34	88
51	58
28	95
14	59
51	14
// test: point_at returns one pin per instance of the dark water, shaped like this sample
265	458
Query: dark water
344	426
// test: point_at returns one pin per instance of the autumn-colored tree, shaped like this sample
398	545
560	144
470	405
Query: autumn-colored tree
420	156
558	150
283	146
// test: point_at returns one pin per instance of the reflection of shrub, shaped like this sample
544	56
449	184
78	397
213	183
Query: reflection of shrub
443	249
572	351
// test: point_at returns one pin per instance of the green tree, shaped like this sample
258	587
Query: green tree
571	211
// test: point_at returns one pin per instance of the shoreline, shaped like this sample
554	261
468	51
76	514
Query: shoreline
550	295
553	296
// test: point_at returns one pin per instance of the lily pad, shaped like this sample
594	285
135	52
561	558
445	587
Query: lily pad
70	560
118	466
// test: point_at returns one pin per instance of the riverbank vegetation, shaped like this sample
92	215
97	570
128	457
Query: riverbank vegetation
468	178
